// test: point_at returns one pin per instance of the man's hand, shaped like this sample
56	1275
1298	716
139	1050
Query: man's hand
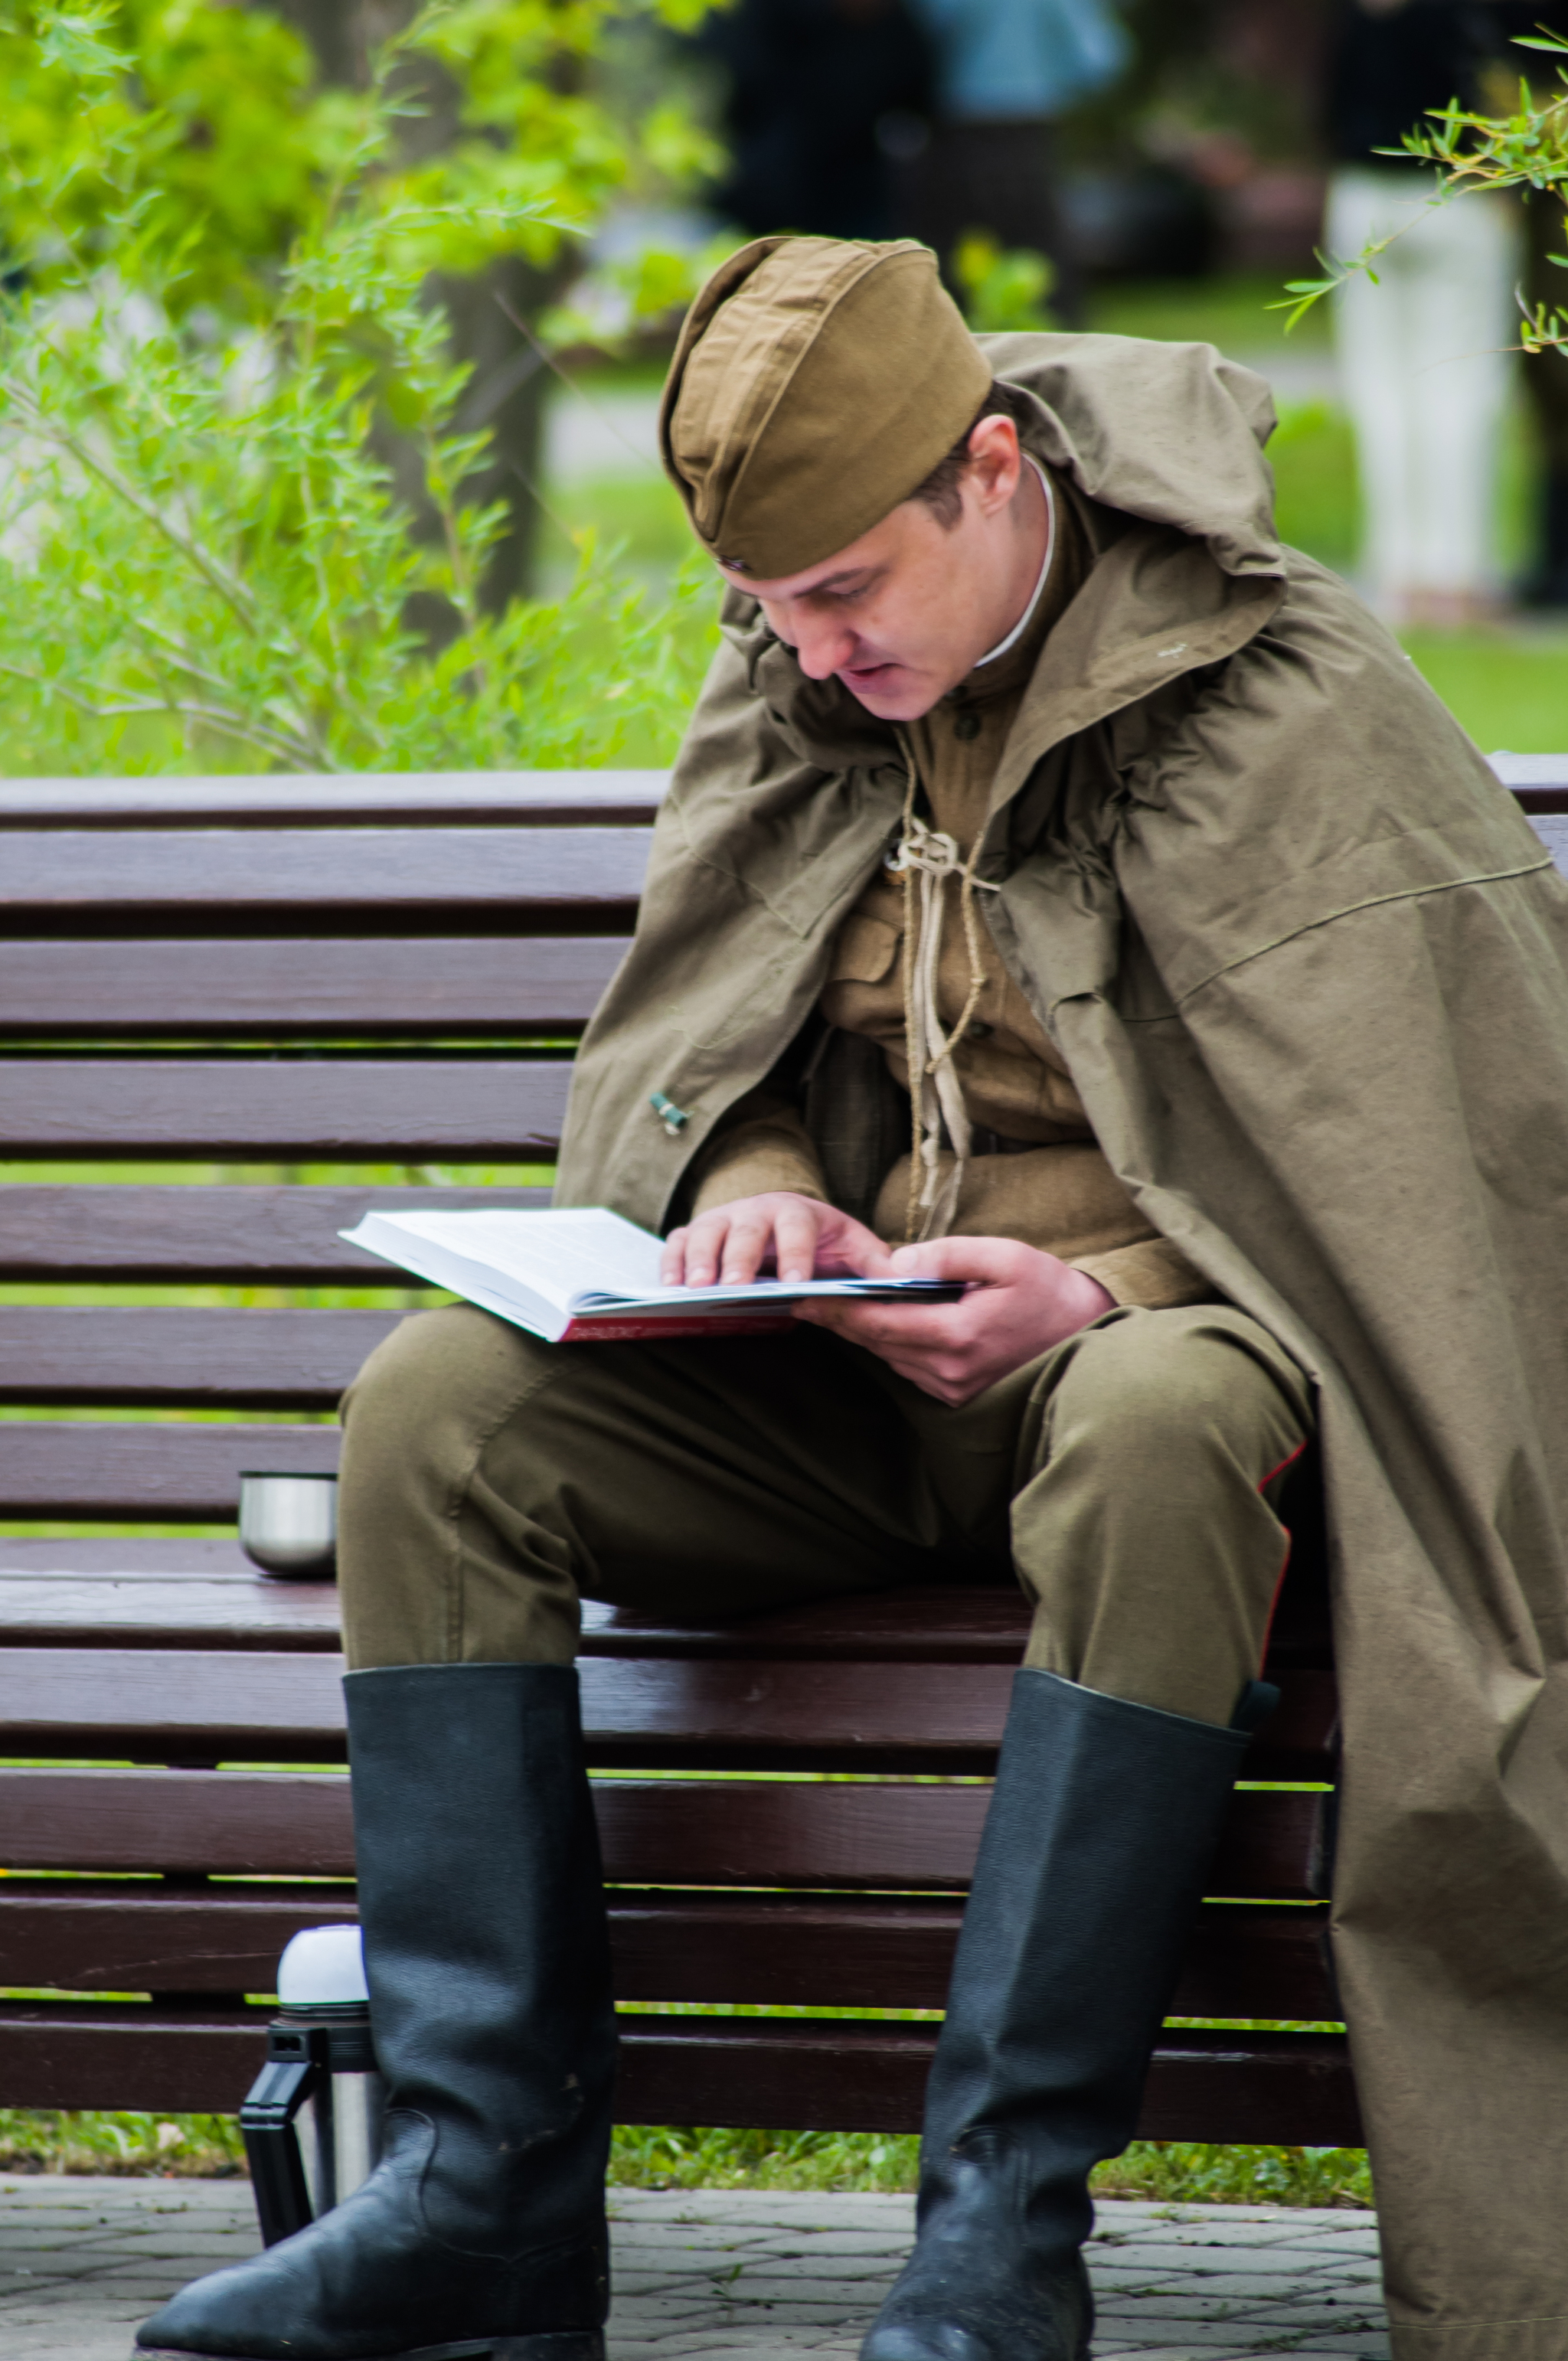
803	1237
1020	1303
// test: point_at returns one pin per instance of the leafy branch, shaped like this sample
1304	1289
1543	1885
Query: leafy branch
1473	152
200	547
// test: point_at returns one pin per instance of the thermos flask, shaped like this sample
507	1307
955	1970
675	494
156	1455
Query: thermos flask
312	2123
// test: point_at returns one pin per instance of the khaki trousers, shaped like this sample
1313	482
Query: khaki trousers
1131	1479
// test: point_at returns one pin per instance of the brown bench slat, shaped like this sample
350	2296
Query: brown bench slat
425	874
1258	1959
58	1468
311	798
405	1110
54	2055
813	1951
333	799
1249	2090
159	1358
104	1231
441	798
590	874
132	1600
70	1594
119	1937
789	2073
169	1706
848	1834
898	1717
64	1593
801	1950
127	1557
797	2074
263	989
242	1612
800	1833
289	1823
1528	775
192	1704
987	1624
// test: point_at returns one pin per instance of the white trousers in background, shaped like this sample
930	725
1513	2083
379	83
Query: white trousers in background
1426	379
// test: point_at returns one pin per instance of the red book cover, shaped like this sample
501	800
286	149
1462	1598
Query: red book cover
626	1327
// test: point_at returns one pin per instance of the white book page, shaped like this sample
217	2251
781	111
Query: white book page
545	1269
561	1255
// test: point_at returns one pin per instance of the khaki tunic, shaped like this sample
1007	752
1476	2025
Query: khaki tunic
1307	965
1053	1188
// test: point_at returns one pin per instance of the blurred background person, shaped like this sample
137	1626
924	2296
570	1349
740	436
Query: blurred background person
819	98
1005	70
1424	349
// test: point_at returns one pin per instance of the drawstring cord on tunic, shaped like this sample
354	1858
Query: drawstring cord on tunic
935	1095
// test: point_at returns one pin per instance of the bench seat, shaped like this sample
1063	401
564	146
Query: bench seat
317	995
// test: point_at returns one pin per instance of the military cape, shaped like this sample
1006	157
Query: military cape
1305	961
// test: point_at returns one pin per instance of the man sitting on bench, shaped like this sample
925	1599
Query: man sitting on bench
1065	889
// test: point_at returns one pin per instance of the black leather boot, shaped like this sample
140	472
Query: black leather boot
482	2231
1101	1830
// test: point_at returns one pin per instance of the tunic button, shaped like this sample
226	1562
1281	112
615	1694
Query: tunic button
966	725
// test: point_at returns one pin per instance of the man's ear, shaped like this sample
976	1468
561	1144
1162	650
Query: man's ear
995	463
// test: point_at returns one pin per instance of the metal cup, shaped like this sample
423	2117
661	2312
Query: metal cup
287	1524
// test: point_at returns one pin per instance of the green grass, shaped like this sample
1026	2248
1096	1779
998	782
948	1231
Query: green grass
1316	499
205	2148
1507	687
1231	312
1171	2171
638	514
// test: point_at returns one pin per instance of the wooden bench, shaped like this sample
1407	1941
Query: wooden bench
389	973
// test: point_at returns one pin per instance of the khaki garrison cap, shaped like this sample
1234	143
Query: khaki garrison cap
816	383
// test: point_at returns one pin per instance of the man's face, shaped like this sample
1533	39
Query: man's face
904	613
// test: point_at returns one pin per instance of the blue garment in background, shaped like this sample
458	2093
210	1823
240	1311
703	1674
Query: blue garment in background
1008	59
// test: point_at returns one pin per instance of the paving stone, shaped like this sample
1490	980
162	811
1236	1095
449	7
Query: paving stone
732	2275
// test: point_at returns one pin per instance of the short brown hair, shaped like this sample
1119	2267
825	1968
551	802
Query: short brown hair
939	491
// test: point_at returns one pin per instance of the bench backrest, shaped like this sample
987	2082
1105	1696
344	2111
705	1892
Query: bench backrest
373	978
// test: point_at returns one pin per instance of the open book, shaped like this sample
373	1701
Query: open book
582	1274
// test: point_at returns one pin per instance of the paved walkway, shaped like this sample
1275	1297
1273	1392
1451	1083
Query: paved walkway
729	2274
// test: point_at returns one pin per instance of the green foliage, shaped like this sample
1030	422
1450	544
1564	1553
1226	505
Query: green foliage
624	293
205	2148
193	134
1172	2171
1175	2172
679	2157
1525	149
1190	2172
200	548
206	151
1004	290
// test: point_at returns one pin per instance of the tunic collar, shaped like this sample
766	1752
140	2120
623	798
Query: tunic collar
1022	625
